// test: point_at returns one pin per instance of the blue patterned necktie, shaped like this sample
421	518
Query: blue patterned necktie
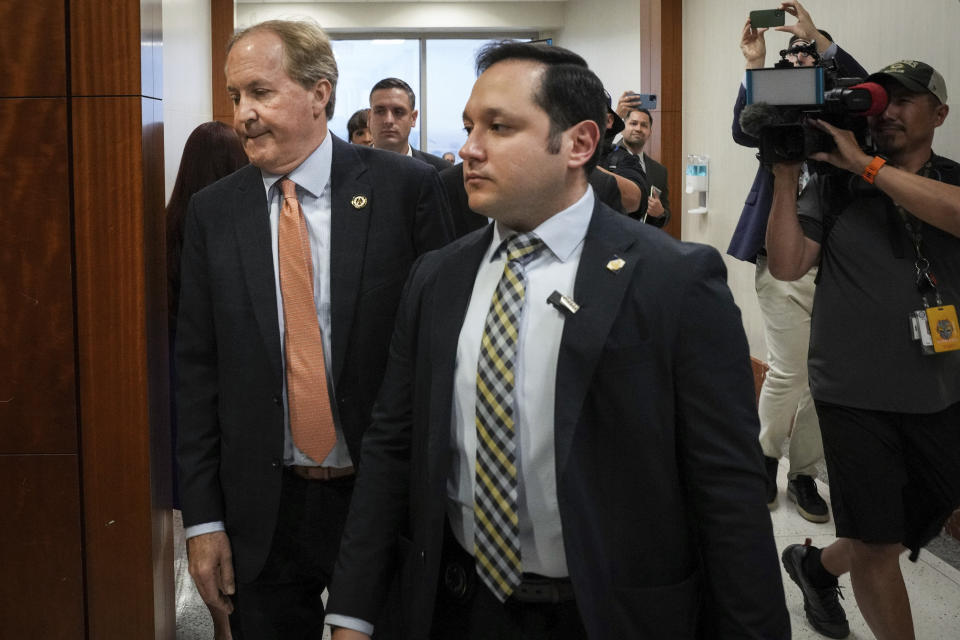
497	530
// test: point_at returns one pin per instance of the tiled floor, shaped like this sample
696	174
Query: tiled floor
934	585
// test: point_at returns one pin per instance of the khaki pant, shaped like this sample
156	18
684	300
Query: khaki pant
785	395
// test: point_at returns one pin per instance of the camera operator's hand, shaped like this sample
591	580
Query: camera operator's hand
753	46
803	28
848	154
787	172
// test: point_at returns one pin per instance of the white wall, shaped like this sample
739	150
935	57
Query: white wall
411	16
607	34
187	100
876	33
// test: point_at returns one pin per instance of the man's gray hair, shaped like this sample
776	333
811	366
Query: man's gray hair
307	55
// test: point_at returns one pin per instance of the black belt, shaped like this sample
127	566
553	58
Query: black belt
535	589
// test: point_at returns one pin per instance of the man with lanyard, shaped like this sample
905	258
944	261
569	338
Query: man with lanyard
884	358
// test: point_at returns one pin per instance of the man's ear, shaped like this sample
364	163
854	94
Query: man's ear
941	114
584	137
321	96
413	116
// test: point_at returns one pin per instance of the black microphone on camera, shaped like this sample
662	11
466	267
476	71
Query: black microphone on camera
758	116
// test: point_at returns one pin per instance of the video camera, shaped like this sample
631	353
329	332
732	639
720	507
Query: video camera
781	100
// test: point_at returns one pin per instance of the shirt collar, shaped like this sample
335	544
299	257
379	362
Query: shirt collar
312	175
562	232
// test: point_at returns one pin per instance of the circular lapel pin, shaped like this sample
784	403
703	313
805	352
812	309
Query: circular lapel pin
359	202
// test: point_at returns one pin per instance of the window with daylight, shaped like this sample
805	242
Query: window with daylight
440	70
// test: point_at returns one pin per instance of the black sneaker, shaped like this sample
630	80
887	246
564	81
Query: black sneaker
822	605
771	465
803	491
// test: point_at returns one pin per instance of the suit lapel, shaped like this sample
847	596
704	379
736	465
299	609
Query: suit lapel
451	298
599	290
256	255
348	241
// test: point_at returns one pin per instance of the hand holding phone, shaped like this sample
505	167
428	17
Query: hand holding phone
764	18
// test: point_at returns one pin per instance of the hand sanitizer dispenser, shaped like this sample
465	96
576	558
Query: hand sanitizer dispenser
698	180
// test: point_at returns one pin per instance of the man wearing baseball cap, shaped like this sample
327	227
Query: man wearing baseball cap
884	358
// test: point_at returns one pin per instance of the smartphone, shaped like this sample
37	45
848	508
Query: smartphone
646	101
654	191
767	18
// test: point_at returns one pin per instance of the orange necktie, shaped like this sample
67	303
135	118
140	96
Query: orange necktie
311	420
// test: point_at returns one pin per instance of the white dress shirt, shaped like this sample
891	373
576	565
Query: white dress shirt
312	178
535	371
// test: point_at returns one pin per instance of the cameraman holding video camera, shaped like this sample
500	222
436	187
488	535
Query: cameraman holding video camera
785	401
884	359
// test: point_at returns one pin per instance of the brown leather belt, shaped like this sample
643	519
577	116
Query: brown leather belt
321	473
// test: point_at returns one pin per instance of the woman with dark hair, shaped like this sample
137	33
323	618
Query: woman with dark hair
213	150
358	131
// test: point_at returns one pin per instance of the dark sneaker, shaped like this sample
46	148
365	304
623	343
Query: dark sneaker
771	465
822	605
803	491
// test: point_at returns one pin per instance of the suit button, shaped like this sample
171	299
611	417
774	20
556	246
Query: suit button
277	400
275	464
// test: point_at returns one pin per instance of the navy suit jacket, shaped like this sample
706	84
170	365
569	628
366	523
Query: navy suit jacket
751	232
660	476
228	339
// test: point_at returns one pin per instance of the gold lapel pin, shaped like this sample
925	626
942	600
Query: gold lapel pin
616	264
359	202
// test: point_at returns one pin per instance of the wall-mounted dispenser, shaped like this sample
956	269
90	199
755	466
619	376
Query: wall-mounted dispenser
698	175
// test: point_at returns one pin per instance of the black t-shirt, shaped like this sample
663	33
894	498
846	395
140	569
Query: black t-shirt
861	351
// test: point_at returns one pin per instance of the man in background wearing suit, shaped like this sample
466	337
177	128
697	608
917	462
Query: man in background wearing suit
565	445
638	123
292	271
392	116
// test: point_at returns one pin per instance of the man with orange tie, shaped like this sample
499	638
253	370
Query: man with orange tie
292	271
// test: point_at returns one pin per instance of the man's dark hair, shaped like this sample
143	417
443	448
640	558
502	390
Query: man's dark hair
395	83
823	32
357	122
569	91
642	110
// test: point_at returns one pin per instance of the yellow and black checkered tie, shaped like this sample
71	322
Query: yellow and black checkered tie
497	531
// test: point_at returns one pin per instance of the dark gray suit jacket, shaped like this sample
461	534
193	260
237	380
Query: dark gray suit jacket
437	163
657	177
660	477
228	339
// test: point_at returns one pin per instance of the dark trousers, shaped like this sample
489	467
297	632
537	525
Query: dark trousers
467	610
283	603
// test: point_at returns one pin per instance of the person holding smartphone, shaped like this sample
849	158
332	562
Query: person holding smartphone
638	124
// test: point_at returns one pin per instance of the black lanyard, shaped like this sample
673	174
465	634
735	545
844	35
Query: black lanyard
925	281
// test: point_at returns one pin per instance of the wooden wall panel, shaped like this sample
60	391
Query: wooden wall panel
112	345
41	593
105	48
221	28
33	48
38	403
661	72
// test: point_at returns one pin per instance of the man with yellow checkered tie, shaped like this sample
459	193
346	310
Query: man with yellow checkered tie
565	443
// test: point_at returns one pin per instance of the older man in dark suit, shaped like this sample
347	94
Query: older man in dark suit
565	445
292	272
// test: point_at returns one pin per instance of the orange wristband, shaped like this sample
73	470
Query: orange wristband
870	173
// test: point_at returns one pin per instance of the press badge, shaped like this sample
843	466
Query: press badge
936	329
942	324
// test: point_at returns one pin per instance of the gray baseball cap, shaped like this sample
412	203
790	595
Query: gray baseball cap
915	76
